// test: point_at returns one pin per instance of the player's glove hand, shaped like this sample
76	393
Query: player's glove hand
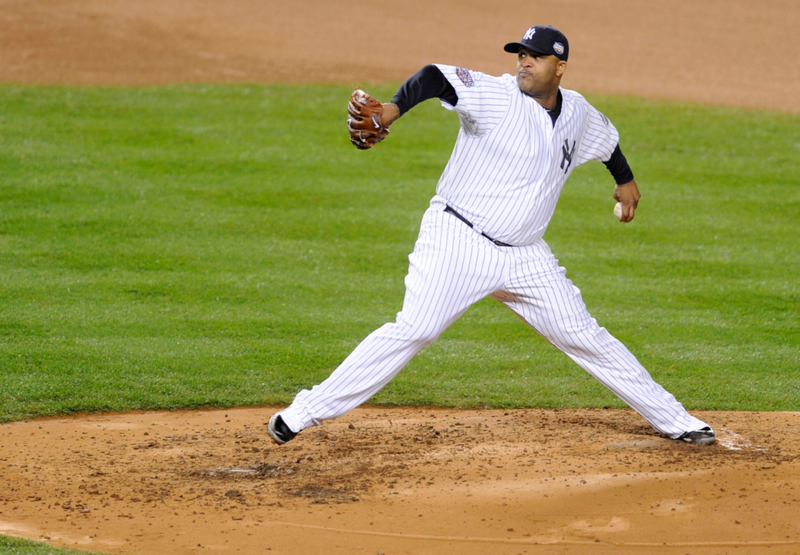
364	120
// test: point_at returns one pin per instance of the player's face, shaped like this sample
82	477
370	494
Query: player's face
538	75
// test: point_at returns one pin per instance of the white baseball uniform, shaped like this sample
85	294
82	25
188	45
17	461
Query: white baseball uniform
504	176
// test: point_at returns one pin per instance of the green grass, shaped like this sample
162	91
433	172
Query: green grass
19	546
213	246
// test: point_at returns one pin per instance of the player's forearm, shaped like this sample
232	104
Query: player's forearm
390	113
619	167
429	82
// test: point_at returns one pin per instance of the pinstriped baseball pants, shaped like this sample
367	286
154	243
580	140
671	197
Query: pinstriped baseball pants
453	267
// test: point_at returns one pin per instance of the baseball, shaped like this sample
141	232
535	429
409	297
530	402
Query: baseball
618	210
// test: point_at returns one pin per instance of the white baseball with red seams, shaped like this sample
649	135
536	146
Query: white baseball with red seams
505	175
618	210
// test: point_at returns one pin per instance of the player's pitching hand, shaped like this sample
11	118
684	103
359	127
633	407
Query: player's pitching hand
628	196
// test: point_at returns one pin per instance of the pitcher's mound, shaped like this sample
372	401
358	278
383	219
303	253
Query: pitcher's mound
403	481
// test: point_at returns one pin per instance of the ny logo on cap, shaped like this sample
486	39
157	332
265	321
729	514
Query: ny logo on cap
529	33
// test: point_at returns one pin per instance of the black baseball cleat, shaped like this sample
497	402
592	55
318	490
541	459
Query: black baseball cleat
703	436
279	431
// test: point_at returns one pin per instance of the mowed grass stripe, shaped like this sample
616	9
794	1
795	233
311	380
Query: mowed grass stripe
19	546
197	246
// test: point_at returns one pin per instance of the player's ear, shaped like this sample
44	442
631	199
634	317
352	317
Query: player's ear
561	68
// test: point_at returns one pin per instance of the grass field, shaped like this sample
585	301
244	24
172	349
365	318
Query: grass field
212	246
18	546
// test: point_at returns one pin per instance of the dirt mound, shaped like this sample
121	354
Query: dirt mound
402	481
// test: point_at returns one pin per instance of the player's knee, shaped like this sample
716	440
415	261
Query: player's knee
421	334
589	340
424	337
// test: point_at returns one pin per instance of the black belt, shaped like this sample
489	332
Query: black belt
469	223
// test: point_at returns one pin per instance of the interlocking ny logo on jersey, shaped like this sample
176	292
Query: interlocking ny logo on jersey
567	154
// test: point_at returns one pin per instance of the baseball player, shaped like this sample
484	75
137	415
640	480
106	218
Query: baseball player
520	138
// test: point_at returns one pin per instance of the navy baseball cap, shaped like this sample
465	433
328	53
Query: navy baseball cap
542	39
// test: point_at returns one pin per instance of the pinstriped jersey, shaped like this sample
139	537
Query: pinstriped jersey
510	163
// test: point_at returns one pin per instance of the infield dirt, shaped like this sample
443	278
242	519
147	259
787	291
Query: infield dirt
403	481
416	481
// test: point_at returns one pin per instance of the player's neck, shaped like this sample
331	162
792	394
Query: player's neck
549	102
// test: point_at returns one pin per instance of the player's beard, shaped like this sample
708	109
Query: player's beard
526	81
528	84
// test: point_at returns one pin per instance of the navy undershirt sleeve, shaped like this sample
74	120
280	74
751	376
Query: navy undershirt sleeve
619	168
428	82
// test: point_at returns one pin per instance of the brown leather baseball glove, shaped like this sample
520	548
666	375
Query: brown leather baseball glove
364	120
